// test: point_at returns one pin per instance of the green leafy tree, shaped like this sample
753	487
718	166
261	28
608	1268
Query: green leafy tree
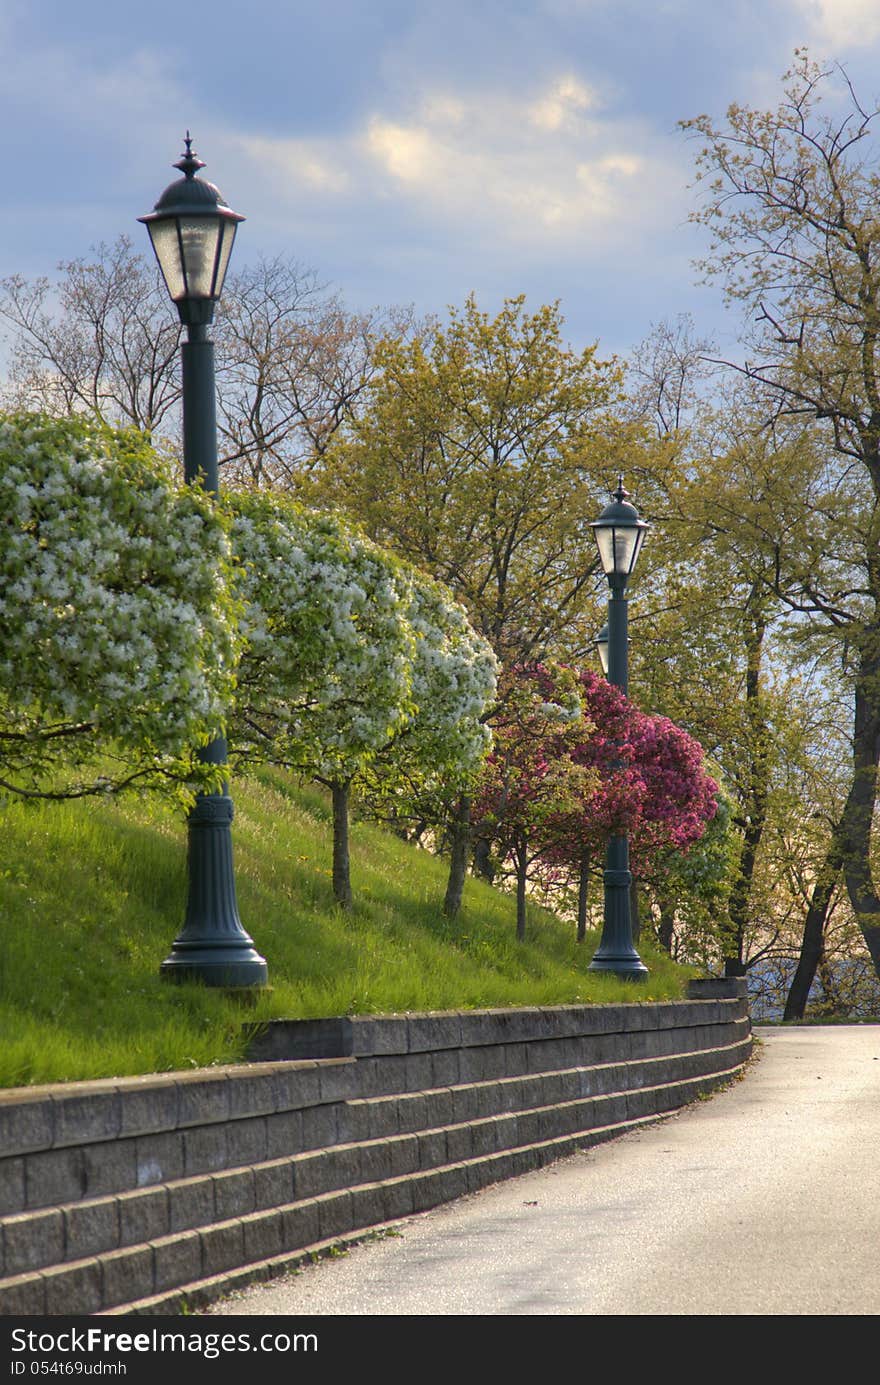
790	201
478	454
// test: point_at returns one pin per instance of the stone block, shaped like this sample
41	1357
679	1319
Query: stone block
297	1085
203	1098
177	1260
57	1175
375	1161
158	1158
204	1149
468	1102
404	1154
439	1107
353	1121
367	1206
246	1141
288	1040
384	1117
12	1185
433	1032
234	1193
23	1296
459	1143
126	1275
300	1225
419	1072
190	1203
262	1236
91	1228
222	1247
388	1073
252	1092
312	1174
445	1067
372	1035
273	1184
32	1241
319	1127
284	1134
338	1079
74	1290
25	1124
432	1149
484	1137
343	1166
397	1199
334	1215
143	1216
412	1112
89	1112
148	1105
110	1167
440	1185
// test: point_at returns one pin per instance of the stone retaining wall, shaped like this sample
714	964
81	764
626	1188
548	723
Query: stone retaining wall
138	1195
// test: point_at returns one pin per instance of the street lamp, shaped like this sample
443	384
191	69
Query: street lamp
619	534
192	231
601	643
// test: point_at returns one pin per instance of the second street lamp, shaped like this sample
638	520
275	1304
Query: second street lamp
619	534
192	231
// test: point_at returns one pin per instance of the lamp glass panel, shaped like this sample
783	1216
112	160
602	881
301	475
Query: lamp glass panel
224	250
163	235
602	646
619	547
198	239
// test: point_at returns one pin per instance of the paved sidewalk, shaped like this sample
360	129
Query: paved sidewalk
762	1200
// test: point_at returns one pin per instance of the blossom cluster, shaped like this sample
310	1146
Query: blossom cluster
350	656
569	784
115	603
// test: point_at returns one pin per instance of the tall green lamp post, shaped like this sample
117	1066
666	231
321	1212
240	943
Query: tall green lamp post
619	534
192	231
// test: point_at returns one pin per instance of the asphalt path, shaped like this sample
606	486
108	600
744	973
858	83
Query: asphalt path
762	1200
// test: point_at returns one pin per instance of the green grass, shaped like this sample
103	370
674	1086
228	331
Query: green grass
92	895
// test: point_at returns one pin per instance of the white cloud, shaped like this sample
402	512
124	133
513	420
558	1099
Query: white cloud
560	106
842	22
543	168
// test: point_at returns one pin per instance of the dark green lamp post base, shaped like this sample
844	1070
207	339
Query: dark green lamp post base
213	947
616	952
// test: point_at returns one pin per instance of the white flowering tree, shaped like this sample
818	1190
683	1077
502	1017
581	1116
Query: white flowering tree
427	772
354	665
325	675
118	640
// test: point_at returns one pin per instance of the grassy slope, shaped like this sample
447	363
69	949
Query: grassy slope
91	896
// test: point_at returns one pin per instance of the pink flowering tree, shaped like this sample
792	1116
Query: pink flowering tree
531	780
653	786
574	763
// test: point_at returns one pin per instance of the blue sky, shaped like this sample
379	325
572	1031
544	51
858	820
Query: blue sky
410	153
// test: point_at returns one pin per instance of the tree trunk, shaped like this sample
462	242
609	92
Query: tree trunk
753	814
461	841
583	893
814	931
483	858
859	811
666	930
522	862
341	862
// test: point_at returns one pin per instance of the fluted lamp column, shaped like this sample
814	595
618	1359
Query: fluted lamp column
619	534
192	232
